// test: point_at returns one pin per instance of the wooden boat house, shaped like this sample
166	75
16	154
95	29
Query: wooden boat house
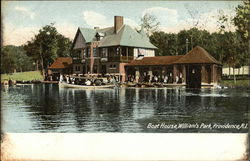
195	69
62	65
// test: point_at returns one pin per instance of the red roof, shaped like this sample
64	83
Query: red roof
157	60
61	62
197	55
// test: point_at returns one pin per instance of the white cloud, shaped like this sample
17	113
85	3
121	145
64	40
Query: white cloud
131	23
165	16
66	29
207	21
13	35
94	19
25	11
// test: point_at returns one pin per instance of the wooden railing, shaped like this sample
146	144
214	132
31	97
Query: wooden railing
121	58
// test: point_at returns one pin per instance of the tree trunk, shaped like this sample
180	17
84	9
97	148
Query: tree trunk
41	61
234	76
229	71
37	65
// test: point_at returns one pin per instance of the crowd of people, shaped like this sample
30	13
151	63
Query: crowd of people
157	78
91	80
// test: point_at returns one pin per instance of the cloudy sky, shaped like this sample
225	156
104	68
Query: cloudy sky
23	19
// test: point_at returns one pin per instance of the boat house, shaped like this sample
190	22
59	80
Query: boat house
102	51
62	65
195	69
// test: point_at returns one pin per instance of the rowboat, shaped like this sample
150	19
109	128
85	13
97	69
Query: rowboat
66	85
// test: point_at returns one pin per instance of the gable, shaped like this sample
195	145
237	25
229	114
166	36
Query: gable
197	55
79	41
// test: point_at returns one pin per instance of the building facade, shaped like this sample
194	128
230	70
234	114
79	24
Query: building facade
108	50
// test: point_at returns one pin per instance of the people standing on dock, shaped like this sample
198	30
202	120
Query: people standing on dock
180	81
61	78
176	79
165	79
155	78
88	82
67	78
170	78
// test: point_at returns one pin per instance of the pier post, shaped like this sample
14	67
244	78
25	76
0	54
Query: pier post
203	74
137	74
150	73
174	74
184	74
212	74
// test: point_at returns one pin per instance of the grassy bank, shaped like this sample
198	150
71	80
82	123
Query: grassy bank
23	76
239	83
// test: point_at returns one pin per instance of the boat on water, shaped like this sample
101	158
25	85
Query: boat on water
66	85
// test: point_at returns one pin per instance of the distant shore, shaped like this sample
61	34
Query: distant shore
239	83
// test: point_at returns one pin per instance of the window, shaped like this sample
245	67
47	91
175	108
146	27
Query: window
88	52
77	68
84	52
104	53
112	66
95	69
94	52
118	51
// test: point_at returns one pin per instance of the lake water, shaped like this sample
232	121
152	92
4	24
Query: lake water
48	108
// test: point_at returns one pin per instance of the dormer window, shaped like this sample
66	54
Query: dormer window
99	36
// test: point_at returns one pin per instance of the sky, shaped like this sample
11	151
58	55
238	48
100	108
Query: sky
22	19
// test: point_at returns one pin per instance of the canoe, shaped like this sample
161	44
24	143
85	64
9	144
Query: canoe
66	85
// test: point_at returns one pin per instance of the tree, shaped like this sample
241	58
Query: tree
46	46
149	23
242	20
14	59
242	23
166	43
64	46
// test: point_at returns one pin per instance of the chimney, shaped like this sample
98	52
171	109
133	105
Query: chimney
118	23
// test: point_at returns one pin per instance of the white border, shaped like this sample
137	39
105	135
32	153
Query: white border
126	146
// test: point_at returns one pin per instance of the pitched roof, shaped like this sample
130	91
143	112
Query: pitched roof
126	36
158	60
197	55
88	33
61	62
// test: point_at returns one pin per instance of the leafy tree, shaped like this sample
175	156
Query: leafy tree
242	20
46	46
64	46
242	23
14	59
149	23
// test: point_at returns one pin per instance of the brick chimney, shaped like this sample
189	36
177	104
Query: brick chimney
118	23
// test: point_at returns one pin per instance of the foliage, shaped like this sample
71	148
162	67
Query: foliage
47	45
239	83
14	58
64	46
23	76
165	43
242	20
149	23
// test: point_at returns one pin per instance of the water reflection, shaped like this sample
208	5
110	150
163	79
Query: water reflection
48	108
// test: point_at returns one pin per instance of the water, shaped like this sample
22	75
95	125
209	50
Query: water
48	108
